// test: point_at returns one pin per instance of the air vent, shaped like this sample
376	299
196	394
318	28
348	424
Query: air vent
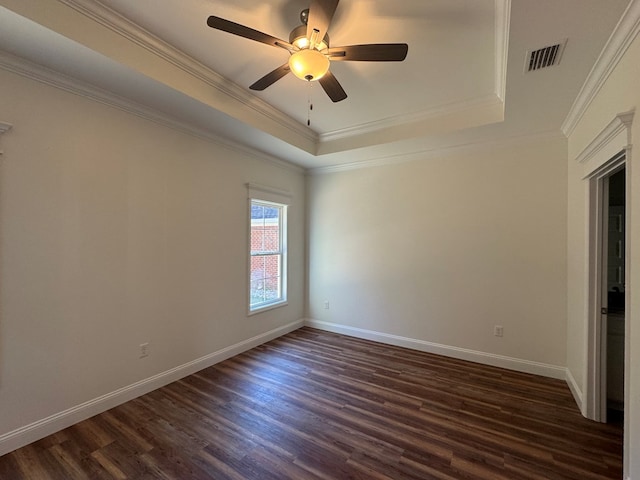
544	57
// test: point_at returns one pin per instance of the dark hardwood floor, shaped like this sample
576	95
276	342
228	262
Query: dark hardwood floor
315	405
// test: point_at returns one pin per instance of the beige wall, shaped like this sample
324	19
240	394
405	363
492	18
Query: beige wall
619	94
117	231
441	250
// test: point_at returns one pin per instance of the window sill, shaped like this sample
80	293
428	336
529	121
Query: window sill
266	308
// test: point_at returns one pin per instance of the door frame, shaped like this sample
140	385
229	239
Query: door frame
608	151
597	331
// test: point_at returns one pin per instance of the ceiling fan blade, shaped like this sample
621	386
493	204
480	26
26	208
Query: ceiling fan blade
271	78
320	15
246	32
332	87
374	52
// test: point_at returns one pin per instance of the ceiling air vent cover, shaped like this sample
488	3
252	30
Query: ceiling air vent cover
544	57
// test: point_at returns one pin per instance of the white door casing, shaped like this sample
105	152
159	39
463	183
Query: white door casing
607	153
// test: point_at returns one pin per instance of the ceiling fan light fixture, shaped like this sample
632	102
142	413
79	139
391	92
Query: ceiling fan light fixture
308	64
298	38
301	43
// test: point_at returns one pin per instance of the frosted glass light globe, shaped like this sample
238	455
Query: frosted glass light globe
308	64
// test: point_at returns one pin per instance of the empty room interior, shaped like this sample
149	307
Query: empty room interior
405	195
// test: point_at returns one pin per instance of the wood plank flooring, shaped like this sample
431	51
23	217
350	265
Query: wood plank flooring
316	405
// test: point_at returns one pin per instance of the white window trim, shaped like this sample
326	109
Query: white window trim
277	197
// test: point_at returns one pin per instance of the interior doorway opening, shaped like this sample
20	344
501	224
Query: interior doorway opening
607	287
614	304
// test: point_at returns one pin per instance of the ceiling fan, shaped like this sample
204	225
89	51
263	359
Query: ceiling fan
311	53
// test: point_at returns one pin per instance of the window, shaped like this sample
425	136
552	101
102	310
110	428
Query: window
268	255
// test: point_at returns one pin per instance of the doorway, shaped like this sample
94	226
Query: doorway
608	289
613	308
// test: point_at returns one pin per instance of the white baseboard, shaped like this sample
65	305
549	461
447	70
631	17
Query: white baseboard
575	391
509	363
35	431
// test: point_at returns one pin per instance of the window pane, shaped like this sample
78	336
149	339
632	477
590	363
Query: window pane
271	238
257	211
265	229
265	266
258	268
272	213
257	235
257	292
272	289
271	266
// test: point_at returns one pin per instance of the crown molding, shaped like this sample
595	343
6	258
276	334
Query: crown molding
115	22
447	119
623	35
74	86
503	22
428	153
407	119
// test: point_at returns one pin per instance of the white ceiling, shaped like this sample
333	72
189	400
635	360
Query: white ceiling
463	81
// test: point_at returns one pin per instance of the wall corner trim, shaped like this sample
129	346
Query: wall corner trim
35	431
501	361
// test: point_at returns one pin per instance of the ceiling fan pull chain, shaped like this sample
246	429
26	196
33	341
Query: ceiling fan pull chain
310	104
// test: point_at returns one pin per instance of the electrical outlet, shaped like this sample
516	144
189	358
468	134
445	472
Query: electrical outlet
144	350
498	330
326	304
